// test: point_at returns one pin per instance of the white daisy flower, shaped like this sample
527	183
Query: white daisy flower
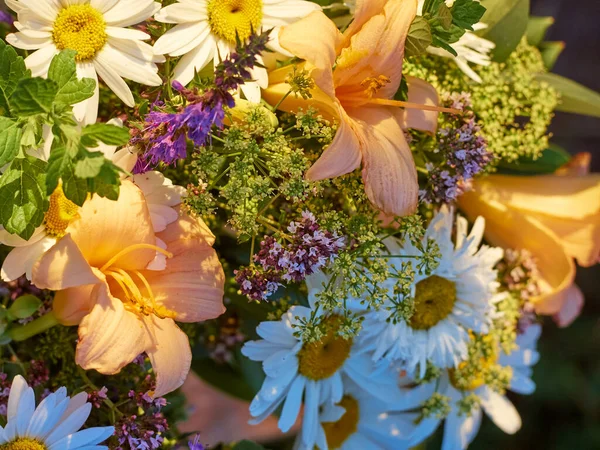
457	297
313	371
360	421
96	29
206	31
460	428
470	48
53	425
161	195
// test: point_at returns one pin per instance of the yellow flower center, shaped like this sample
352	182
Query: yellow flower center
434	300
132	287
60	214
231	18
338	432
320	360
81	28
23	444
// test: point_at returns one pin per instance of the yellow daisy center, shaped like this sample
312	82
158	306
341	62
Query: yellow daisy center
231	18
81	28
338	432
320	360
60	214
23	444
434	300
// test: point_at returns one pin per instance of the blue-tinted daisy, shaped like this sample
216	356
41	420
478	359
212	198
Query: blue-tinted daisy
310	372
53	425
455	298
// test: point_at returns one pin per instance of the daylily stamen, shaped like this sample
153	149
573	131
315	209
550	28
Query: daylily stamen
147	285
132	248
373	84
409	105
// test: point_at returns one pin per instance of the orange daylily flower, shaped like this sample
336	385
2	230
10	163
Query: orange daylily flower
556	217
357	75
100	270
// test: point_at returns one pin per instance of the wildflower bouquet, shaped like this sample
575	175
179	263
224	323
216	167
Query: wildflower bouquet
349	216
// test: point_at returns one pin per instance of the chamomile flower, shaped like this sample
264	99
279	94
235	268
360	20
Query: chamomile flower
470	49
360	421
314	370
96	29
455	298
54	424
467	402
206	30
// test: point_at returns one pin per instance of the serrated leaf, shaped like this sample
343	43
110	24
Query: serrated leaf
23	196
466	13
90	165
109	134
33	96
419	37
59	164
537	27
574	97
107	183
12	69
10	140
507	22
63	71
24	307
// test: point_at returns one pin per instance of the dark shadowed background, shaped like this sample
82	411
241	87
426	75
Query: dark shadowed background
564	412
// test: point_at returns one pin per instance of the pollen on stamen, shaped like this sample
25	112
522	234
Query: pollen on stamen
372	85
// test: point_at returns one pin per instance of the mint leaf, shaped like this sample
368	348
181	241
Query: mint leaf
507	22
109	134
90	166
23	198
10	140
12	69
466	13
33	96
419	37
107	183
574	97
71	90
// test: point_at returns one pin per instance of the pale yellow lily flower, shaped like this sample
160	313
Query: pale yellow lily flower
357	75
556	217
100	270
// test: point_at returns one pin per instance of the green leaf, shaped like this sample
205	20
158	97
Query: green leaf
552	158
109	134
575	98
466	13
24	307
64	72
12	69
33	96
23	198
419	37
507	22
248	445
90	165
10	140
550	51
537	27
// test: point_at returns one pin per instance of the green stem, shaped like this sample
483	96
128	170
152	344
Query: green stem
33	328
276	107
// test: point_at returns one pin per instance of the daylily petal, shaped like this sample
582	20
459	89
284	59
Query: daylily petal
422	93
389	170
170	354
106	227
571	307
71	305
364	10
342	156
63	267
314	39
193	281
110	337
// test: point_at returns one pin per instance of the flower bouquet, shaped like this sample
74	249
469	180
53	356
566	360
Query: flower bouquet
348	216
